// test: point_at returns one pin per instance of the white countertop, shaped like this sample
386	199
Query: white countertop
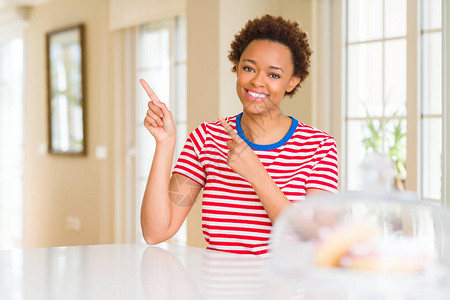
136	271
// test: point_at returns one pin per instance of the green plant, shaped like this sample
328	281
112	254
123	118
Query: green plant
376	140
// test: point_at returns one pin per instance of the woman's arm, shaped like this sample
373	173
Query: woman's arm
167	200
271	196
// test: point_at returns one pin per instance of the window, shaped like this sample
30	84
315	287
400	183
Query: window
161	61
11	141
431	95
381	95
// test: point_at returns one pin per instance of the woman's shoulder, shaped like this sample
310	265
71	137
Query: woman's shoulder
309	131
214	127
231	120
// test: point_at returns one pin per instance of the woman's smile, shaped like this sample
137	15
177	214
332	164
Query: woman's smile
256	96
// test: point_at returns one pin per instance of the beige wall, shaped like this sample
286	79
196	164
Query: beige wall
93	190
126	13
57	187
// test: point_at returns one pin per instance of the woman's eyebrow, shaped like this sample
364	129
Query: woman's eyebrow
271	67
276	68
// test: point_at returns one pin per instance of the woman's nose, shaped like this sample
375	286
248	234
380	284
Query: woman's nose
258	79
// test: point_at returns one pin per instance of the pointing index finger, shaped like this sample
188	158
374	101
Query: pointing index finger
228	128
149	91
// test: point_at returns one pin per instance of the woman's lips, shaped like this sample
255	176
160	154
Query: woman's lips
255	96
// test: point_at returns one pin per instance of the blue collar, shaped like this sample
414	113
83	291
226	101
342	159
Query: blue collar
270	146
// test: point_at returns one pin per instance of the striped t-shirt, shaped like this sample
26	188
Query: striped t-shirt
233	218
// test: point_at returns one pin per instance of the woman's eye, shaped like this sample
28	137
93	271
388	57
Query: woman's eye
248	69
275	76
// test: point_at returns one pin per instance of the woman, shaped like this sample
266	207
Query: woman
250	166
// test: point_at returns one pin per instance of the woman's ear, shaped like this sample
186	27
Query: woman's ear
293	83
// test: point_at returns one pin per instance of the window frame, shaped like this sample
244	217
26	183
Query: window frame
414	113
445	103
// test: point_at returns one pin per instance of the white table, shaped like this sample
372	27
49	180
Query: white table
136	271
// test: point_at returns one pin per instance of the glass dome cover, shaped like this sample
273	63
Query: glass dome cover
374	235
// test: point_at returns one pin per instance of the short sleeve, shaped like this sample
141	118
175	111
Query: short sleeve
324	174
188	163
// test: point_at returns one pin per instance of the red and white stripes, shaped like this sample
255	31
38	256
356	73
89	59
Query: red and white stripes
233	218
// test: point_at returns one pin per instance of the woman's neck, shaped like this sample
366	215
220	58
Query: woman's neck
265	129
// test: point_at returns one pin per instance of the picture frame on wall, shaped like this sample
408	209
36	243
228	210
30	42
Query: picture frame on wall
66	91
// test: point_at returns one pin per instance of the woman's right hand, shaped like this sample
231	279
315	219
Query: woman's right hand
159	120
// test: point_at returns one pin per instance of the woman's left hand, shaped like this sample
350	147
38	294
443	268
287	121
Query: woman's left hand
241	158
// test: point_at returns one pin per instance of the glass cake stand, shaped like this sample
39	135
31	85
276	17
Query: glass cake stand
363	245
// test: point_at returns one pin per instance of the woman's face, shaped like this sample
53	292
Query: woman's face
264	74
